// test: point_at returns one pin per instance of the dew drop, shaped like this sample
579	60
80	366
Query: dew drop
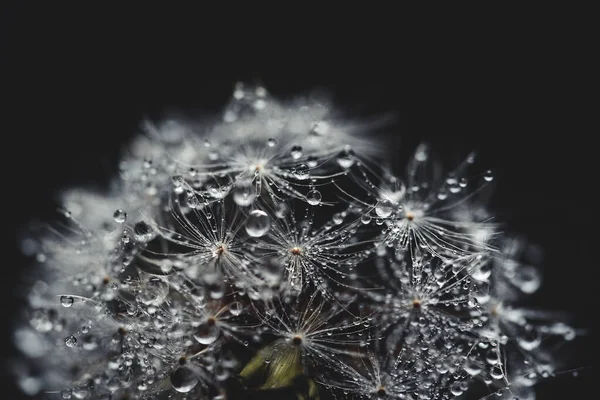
296	152
235	308
66	301
271	142
496	372
80	393
527	279
143	232
183	379
530	340
442	194
472	369
120	216
489	176
456	389
345	160
313	197
244	194
207	333
384	208
258	223
302	172
71	341
421	153
154	292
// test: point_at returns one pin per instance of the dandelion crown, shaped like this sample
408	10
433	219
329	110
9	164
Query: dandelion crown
271	255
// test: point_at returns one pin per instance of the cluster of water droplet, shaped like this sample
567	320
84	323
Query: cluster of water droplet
211	247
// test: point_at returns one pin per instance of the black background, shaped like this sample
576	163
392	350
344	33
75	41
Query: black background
76	83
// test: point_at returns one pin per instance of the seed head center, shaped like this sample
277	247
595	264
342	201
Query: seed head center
220	250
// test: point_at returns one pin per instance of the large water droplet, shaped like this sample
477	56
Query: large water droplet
365	219
496	372
313	197
384	208
244	193
66	301
456	389
258	223
143	232
183	379
302	172
207	333
120	216
154	292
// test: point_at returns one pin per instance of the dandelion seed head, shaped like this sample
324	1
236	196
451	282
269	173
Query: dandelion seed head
272	250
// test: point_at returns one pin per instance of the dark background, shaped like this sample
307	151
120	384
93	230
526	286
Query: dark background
76	85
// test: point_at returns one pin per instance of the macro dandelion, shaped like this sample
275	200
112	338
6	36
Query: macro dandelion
268	254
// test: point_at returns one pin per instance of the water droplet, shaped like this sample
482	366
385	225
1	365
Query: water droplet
80	393
236	308
65	394
472	369
527	278
313	197
296	152
312	161
280	210
143	232
345	160
529	340
154	292
244	193
89	342
496	372
183	379
456	389
365	219
384	208
271	142
120	216
442	194
66	301
258	223
421	153
208	332
338	218
302	172
489	176
71	341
